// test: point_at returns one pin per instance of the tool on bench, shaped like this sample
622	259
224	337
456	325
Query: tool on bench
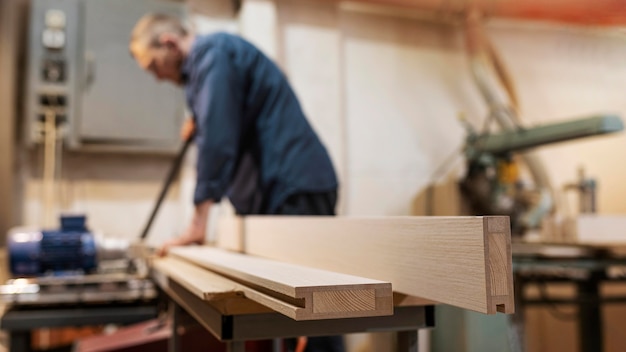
139	251
72	265
178	161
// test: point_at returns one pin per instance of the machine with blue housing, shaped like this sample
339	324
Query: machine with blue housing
72	265
71	249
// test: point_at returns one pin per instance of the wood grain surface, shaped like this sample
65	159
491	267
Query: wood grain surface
226	296
299	292
463	261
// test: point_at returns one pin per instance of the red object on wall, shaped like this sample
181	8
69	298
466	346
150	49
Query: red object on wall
583	12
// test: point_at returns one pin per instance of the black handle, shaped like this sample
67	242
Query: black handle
166	186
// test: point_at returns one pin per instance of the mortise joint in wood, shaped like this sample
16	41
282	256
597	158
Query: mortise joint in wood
498	264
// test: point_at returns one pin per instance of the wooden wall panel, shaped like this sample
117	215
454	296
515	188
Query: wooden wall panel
9	50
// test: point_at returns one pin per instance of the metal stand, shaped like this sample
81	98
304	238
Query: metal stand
407	341
517	330
589	313
174	342
234	330
19	323
236	346
584	266
277	345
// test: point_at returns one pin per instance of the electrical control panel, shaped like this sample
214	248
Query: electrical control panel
83	80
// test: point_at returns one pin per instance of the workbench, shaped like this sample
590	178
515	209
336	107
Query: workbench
20	321
586	266
277	277
235	329
72	301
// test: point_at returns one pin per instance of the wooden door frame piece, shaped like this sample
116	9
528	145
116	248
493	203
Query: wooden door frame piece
464	261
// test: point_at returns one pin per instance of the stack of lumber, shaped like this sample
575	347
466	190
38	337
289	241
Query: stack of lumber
310	268
298	292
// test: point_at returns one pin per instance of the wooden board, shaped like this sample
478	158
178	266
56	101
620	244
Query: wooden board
461	261
226	296
296	291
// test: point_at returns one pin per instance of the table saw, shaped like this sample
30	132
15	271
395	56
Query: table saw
69	277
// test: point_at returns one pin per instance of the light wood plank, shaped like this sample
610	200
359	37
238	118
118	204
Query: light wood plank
230	233
299	292
226	296
461	261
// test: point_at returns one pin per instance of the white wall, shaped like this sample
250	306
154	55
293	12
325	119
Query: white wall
385	93
405	85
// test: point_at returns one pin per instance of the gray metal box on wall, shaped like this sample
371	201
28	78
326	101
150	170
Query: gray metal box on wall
80	70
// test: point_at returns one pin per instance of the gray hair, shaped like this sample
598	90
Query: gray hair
151	26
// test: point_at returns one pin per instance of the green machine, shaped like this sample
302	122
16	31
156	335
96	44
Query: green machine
491	184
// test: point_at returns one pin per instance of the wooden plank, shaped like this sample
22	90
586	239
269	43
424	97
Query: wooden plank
226	296
462	261
230	233
402	300
272	325
298	292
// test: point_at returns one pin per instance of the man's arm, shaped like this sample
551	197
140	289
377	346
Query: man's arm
219	113
188	128
218	108
195	232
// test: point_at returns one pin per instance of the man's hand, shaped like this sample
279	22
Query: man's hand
188	128
195	232
165	247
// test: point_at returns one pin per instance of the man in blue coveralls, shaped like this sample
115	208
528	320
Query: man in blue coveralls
254	143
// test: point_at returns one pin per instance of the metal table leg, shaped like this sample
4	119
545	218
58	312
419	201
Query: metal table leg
517	329
589	314
407	341
20	341
235	346
174	342
277	345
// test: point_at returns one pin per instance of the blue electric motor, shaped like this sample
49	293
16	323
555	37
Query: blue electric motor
71	249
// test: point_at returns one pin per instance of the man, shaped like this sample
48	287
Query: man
254	143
